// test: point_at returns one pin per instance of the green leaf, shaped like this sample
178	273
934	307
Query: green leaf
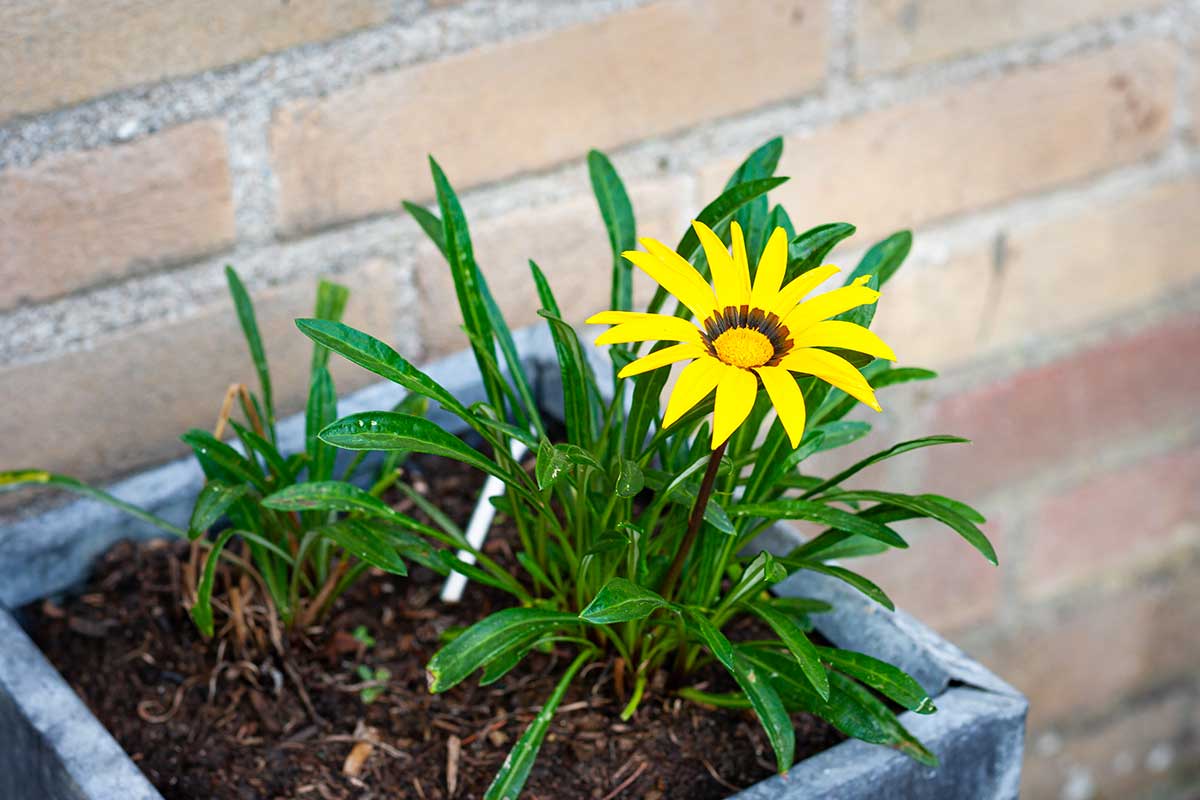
893	682
927	508
430	223
231	462
492	637
813	511
765	700
212	503
390	430
753	217
361	539
468	281
551	465
894	734
884	258
328	496
617	212
375	356
201	612
331	304
644	408
841	573
579	383
513	773
320	412
629	479
809	249
714	214
14	479
797	643
254	443
622	600
882	455
245	314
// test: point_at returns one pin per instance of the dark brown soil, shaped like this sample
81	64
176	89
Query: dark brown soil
210	720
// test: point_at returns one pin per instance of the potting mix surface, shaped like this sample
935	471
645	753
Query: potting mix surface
232	718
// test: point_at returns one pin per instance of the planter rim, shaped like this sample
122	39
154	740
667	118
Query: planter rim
977	732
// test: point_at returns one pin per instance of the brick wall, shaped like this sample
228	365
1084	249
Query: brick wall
1047	155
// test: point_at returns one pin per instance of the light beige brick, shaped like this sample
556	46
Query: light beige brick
979	144
77	219
902	33
1048	278
502	110
123	404
57	52
568	242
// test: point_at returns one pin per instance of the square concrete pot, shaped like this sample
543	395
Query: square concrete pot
51	746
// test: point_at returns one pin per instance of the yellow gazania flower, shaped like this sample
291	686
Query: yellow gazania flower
762	330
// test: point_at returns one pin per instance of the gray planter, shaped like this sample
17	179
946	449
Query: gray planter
52	747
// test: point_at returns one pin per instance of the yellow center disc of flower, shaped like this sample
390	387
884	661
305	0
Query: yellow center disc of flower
744	347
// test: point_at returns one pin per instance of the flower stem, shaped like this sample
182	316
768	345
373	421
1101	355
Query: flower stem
694	523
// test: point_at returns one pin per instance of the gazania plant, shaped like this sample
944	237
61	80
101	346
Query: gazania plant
298	534
636	527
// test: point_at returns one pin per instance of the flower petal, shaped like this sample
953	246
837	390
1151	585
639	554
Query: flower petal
675	275
735	398
787	399
655	327
661	358
832	369
846	335
797	288
732	286
772	264
829	304
695	382
741	262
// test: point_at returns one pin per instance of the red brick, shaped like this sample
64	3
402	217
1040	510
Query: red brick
1076	660
1067	409
1114	518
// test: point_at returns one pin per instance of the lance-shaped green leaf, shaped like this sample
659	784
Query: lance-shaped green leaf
390	430
754	216
362	540
763	697
809	249
254	443
331	304
245	315
492	637
328	496
892	682
804	651
201	612
882	455
14	479
715	213
372	354
813	511
894	735
841	573
320	412
927	508
229	461
621	600
212	503
629	479
513	773
617	212
578	380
